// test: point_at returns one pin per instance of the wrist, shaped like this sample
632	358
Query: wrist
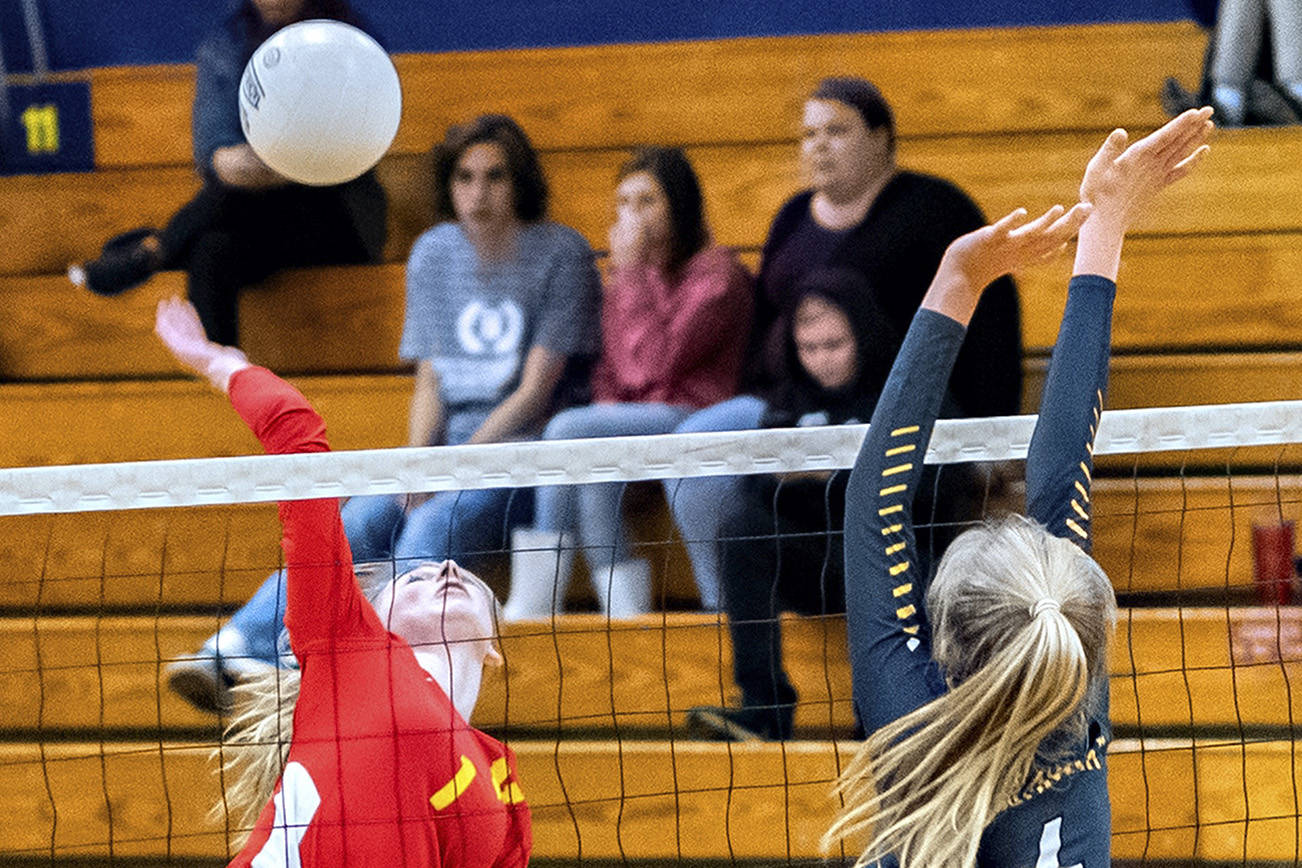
222	367
953	293
1098	248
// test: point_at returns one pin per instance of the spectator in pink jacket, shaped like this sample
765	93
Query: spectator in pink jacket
675	319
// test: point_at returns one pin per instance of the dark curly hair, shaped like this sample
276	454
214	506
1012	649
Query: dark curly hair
521	160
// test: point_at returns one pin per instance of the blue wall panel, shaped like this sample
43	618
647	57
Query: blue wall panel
84	33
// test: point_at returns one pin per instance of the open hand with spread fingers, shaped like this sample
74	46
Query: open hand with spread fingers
1122	178
973	261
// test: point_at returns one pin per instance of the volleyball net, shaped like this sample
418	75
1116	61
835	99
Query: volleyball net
113	572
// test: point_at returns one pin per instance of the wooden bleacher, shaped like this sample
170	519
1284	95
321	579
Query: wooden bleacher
1249	182
681	800
1152	535
90	605
1175	298
1171	674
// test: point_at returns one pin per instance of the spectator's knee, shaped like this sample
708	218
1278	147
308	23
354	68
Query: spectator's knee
565	425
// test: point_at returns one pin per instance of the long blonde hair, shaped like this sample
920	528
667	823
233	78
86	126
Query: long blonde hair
1021	622
255	745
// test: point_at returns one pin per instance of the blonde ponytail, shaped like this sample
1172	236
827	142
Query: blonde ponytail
1021	622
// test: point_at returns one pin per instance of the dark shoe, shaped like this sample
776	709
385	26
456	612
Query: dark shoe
201	680
1271	106
1175	99
758	723
123	264
204	679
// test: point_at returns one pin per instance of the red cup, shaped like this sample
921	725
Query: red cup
1272	562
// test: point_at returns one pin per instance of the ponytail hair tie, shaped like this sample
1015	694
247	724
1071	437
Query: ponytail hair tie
1045	604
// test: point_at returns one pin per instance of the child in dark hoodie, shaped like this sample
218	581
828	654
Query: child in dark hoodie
781	542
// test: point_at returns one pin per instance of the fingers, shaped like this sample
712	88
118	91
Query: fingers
1114	144
1187	165
1188	137
1055	225
1009	222
165	316
1178	137
1039	224
1070	223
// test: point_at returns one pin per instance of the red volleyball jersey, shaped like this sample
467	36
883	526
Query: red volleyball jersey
381	768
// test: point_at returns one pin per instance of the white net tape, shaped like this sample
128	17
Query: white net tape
213	481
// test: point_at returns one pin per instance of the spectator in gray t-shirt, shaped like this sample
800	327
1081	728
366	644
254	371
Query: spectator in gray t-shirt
502	318
501	305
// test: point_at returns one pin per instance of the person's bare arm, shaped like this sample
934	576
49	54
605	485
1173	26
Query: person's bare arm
177	326
425	421
530	401
238	166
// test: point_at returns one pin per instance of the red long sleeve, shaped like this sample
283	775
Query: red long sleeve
324	599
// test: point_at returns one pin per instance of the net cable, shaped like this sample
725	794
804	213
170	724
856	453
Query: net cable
262	478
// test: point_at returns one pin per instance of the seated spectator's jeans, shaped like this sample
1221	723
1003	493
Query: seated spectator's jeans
781	546
593	511
701	504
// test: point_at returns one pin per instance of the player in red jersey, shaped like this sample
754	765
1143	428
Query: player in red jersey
382	767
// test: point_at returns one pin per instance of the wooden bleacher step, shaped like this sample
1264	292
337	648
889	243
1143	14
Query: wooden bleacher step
1178	295
143	420
734	90
1173	671
1171	800
1252	183
1180	535
1151	535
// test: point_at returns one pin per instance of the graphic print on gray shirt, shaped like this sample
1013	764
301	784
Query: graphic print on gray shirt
476	321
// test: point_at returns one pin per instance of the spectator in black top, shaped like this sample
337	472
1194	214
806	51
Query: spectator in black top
781	537
247	221
864	213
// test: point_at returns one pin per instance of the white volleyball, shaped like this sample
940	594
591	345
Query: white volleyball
320	102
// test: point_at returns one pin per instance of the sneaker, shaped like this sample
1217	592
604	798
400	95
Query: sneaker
204	679
748	723
122	264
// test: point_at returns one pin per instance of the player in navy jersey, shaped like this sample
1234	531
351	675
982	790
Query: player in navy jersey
988	704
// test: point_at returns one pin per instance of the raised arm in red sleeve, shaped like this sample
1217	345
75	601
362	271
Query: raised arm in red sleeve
324	599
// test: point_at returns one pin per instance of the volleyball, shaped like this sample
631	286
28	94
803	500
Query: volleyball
320	102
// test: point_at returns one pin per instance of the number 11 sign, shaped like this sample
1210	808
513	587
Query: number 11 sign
47	129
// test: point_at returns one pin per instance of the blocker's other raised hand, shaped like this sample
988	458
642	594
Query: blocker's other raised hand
1013	242
1122	178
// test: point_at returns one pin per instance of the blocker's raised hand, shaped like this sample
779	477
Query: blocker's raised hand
1121	178
1013	242
973	261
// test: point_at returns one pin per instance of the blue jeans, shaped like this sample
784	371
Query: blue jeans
593	510
451	524
702	504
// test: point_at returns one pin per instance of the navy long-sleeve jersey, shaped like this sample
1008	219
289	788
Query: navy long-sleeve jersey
1062	816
